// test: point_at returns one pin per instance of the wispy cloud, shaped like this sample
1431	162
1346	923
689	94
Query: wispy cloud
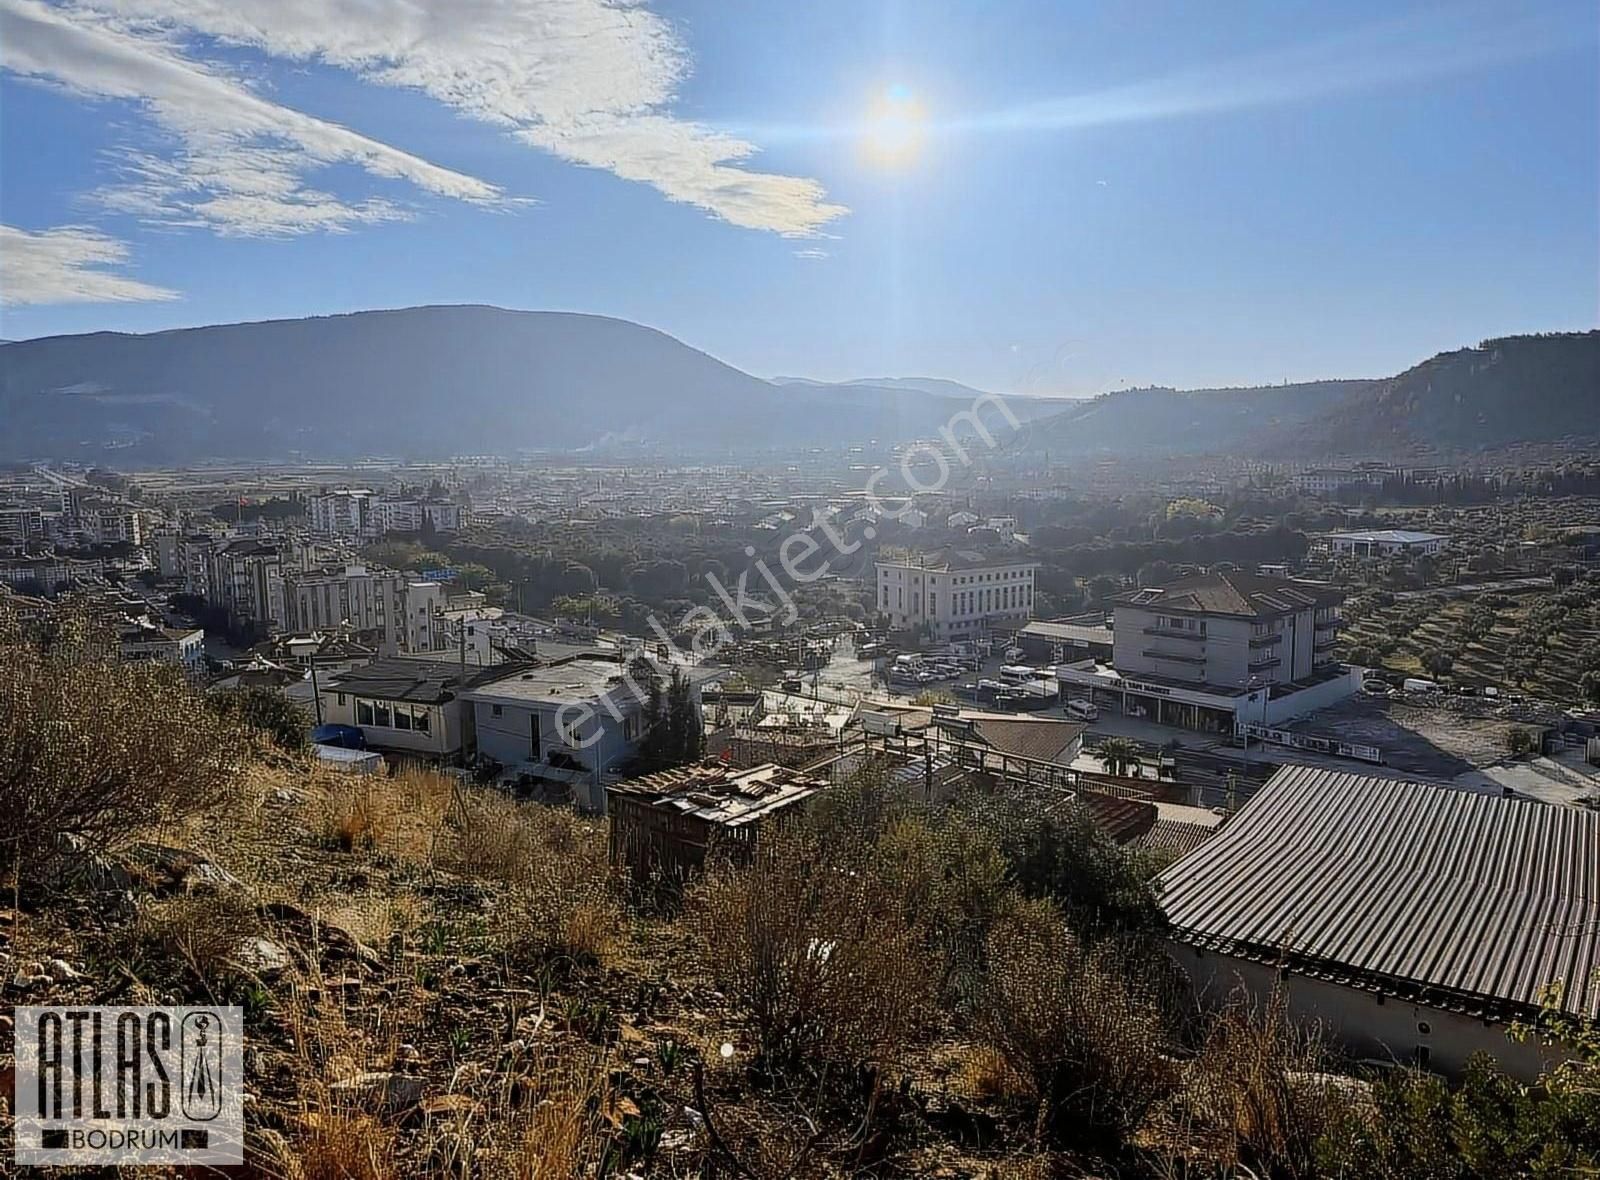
1404	51
67	265
237	161
590	81
811	254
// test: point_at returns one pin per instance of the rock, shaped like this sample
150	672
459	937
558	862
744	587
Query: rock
261	955
380	1093
63	972
181	869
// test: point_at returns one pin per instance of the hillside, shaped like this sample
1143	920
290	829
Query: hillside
1518	389
1197	421
1515	389
418	381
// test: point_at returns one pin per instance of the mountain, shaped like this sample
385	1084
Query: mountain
1195	421
418	381
1540	388
432	381
1518	389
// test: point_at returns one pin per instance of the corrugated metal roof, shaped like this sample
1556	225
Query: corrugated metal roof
1232	592
1470	898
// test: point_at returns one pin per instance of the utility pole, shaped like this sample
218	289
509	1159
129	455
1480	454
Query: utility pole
315	695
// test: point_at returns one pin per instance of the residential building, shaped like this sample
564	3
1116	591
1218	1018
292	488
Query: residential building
187	560
956	594
368	602
245	578
1218	651
1414	922
21	521
424	625
48	574
405	707
1381	543
341	513
111	524
182	648
666	823
573	722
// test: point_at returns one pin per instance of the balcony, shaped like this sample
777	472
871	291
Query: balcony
1266	640
1321	645
1167	633
1265	663
1175	657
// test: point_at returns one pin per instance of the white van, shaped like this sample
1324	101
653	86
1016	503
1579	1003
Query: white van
1082	710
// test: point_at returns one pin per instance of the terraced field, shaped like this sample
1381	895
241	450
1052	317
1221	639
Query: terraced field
1540	641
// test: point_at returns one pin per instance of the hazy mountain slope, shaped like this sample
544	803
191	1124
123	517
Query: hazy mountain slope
427	380
1513	389
1195	421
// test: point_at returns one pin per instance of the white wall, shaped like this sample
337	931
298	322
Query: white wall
1358	1020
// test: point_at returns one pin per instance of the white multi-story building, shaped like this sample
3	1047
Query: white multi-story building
1226	629
370	602
21	521
341	513
246	579
1218	652
956	595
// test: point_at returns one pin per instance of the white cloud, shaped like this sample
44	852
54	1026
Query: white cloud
63	265
590	81
239	160
811	254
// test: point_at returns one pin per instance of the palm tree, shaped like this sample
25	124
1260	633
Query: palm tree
1119	755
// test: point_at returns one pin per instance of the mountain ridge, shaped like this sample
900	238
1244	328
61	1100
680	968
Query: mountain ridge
473	378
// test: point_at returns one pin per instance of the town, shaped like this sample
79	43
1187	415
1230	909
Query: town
1380	707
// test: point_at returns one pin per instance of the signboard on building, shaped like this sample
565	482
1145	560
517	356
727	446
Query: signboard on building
447	574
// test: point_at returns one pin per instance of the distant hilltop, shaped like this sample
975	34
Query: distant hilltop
430	381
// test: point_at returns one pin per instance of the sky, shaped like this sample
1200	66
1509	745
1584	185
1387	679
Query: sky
1043	198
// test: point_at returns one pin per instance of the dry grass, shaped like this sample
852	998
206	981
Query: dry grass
1082	1032
819	950
1259	1080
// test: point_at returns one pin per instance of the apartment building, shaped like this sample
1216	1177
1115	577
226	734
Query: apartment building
370	602
341	513
956	594
246	579
21	521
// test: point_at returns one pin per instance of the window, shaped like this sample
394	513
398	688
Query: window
533	736
363	712
381	715
423	719
494	710
341	698
402	718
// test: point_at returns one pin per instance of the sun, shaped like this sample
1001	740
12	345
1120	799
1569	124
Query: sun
895	127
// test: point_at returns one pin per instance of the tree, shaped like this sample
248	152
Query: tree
1591	686
1437	662
269	712
1119	755
92	748
1520	741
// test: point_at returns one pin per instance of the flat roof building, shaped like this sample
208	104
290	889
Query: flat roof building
956	594
1382	543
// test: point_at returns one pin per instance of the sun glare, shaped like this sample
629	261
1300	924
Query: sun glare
896	125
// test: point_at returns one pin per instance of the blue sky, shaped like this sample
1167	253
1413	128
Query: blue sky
1044	198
